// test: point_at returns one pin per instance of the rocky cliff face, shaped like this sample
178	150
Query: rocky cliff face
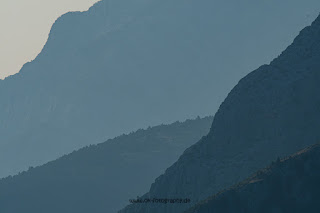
133	64
289	185
274	111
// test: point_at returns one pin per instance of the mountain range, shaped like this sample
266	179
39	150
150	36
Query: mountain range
129	64
272	112
101	178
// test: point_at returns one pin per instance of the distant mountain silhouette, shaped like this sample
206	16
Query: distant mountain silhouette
132	64
273	111
289	185
101	178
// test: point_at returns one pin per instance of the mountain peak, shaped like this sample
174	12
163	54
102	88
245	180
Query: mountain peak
304	47
270	113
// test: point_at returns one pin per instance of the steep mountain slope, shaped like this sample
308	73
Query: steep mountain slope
273	111
130	64
289	185
103	177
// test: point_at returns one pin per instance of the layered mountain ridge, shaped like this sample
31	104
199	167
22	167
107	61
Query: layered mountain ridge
272	112
124	65
101	178
288	185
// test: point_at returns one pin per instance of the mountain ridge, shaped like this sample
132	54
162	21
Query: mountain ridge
271	112
102	177
138	64
280	187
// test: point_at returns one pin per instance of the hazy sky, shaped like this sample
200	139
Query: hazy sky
24	28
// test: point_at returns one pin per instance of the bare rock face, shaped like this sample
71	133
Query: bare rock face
273	111
288	185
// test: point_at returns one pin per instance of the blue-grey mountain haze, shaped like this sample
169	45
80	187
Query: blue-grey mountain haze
25	26
101	178
272	112
134	64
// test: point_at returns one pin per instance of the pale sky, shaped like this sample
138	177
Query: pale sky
24	28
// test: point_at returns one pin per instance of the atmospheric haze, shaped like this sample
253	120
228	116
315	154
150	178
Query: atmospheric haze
25	26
